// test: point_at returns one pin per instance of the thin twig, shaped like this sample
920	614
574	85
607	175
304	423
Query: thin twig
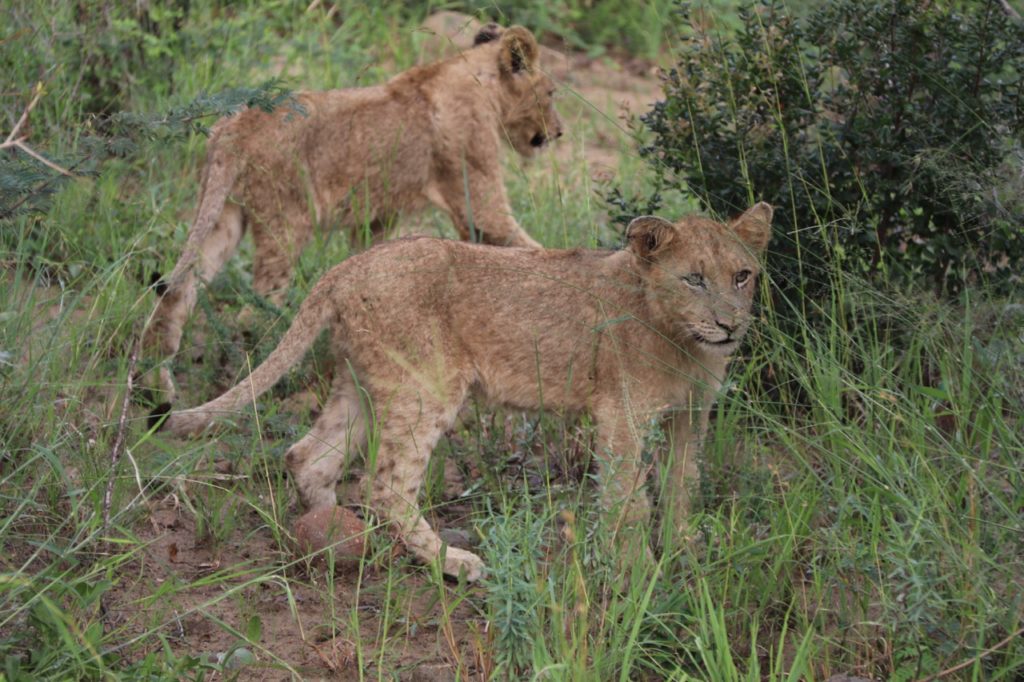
974	659
24	115
8	143
39	157
115	456
19	142
115	453
1010	10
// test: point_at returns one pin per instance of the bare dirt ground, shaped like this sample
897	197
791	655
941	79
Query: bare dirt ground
292	611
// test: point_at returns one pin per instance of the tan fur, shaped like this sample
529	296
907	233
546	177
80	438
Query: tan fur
358	158
422	323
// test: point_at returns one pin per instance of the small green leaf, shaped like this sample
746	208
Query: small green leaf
253	629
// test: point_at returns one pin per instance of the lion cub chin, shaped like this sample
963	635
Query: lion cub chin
422	323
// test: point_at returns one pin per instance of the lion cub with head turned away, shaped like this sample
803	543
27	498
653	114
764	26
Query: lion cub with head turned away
358	158
424	323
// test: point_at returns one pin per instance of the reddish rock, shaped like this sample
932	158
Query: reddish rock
331	526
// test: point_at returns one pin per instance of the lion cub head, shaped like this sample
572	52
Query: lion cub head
701	275
525	93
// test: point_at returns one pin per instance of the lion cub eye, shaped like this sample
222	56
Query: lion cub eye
695	280
742	277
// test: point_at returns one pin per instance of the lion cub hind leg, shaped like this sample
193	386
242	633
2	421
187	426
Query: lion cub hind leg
317	459
162	337
407	439
276	251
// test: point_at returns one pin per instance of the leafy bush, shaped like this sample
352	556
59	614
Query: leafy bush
887	135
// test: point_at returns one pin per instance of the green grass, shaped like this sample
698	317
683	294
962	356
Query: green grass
861	493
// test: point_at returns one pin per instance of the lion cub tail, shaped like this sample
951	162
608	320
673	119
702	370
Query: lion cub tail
313	316
219	175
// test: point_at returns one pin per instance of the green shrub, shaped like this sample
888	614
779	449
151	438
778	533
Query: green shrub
887	134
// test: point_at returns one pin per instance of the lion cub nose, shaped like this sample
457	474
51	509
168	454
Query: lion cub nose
727	328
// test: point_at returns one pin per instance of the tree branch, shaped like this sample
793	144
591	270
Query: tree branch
974	659
24	115
19	142
115	453
1010	11
39	157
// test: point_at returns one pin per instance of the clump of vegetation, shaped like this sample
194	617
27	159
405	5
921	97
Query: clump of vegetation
515	591
887	134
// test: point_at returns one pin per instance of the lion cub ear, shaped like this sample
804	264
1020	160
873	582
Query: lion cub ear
649	234
754	227
519	51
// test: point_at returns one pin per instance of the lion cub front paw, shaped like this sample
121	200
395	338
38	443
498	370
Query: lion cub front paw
459	561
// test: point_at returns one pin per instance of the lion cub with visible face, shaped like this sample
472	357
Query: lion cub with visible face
359	158
423	323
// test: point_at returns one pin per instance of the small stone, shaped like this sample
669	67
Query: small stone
223	466
335	527
433	672
456	537
239	658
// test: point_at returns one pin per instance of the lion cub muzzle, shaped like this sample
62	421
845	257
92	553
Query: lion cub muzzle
541	139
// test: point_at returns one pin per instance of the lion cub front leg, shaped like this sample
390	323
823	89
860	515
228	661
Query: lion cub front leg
686	428
274	257
481	212
622	476
401	463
